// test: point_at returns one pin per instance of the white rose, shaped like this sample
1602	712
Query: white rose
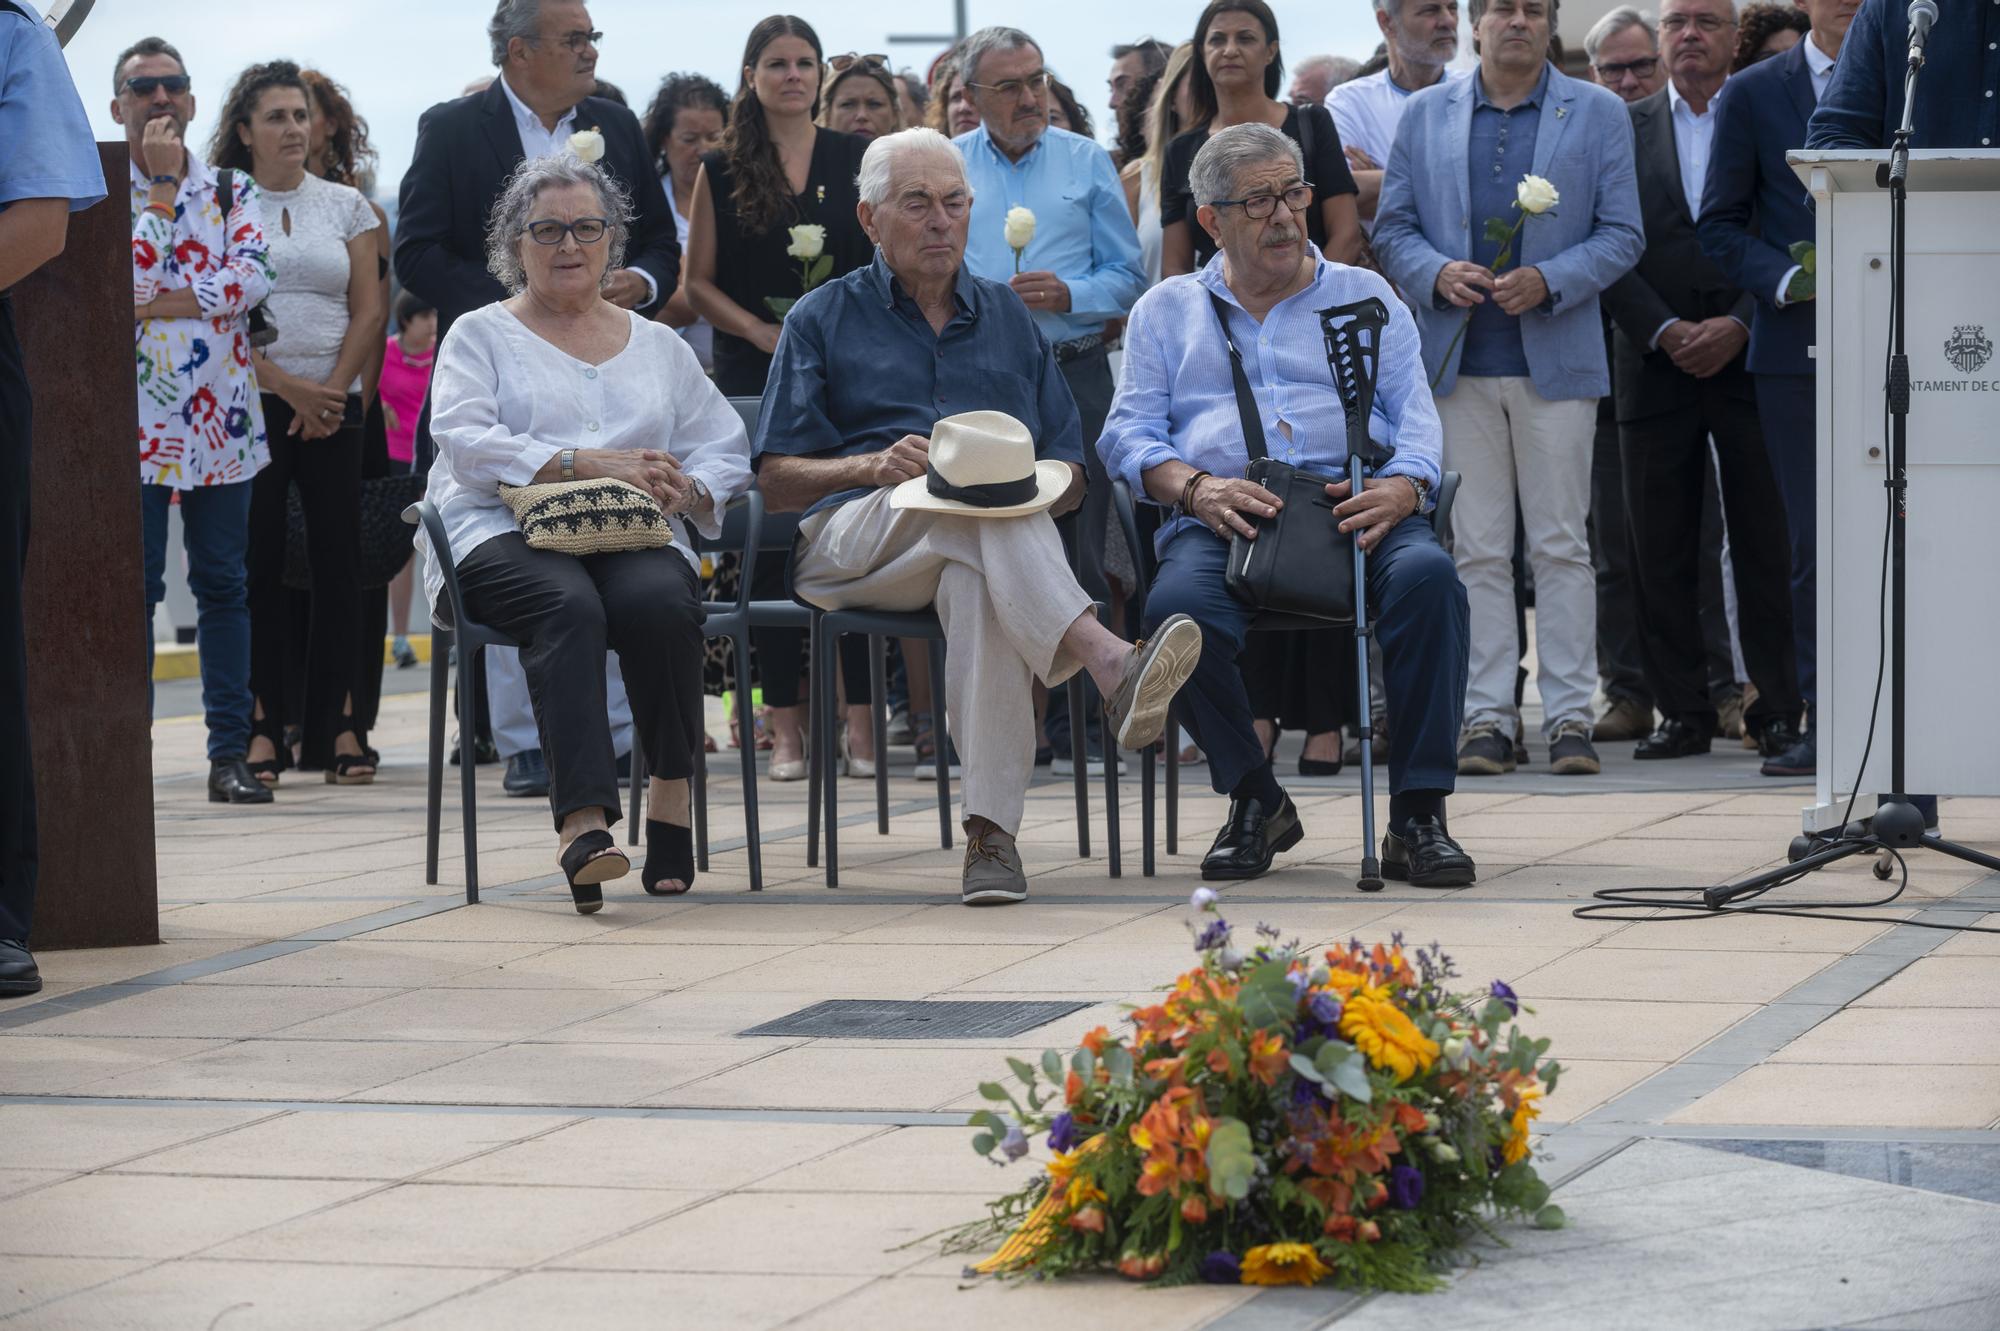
587	144
1536	195
1020	228
807	242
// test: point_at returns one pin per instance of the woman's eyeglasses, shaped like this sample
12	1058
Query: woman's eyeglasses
145	85
587	230
1260	206
840	63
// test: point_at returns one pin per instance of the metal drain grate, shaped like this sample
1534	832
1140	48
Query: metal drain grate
886	1019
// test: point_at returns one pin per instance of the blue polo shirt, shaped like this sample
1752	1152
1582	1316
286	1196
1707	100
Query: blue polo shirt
1500	152
858	366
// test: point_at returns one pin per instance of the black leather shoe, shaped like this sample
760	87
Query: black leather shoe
230	781
1251	839
1676	739
1425	856
18	975
1802	759
527	775
1778	736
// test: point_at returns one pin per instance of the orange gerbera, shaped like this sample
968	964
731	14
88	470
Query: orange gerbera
1284	1264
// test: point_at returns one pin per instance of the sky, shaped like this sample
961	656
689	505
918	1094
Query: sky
398	57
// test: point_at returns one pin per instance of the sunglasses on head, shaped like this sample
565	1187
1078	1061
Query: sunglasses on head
840	63
144	85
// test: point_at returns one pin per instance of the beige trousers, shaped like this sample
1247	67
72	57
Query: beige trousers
1005	594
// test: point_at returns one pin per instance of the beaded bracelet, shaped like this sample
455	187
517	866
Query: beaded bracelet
1188	488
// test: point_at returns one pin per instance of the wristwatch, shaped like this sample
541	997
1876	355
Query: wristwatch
567	461
1423	489
696	493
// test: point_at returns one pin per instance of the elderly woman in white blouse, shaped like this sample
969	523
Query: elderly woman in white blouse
558	383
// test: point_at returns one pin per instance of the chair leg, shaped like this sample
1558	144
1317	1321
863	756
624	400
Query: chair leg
824	688
941	737
878	716
434	793
633	816
1147	761
698	800
1173	783
747	751
467	784
813	634
1080	761
1111	846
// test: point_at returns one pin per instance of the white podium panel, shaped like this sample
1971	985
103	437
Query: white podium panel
1953	533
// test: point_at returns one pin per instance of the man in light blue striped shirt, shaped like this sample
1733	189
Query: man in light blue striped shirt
1080	270
1176	437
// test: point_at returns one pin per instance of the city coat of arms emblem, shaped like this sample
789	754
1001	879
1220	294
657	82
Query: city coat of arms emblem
1968	348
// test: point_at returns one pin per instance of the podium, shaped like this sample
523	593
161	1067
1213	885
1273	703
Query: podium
1953	334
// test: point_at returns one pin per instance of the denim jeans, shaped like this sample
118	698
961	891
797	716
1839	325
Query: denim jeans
215	526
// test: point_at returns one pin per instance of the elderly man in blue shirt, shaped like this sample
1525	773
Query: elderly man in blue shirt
1080	269
1176	436
868	368
48	170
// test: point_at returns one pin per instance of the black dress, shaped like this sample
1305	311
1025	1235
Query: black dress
1326	168
753	265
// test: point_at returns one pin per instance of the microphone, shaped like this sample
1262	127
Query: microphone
1923	13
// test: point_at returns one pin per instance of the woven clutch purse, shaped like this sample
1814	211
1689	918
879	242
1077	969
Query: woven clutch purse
592	517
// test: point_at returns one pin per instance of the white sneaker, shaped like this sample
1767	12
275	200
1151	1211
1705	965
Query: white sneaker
1064	765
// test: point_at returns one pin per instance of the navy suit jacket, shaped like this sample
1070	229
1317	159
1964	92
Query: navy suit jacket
1753	207
1955	107
465	151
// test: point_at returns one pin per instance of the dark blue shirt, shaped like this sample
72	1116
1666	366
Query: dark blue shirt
858	367
1958	93
1500	152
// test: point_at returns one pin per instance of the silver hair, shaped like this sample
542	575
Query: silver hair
1617	21
511	19
1229	151
506	227
878	164
987	41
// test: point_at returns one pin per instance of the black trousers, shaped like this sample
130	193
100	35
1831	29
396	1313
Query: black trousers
328	475
1618	657
1666	458
565	611
781	653
20	853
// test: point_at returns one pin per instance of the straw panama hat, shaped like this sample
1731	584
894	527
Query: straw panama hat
982	464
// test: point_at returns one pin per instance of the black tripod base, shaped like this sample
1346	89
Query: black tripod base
1903	830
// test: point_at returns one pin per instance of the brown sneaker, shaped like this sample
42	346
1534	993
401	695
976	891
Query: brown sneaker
1160	665
993	875
1624	719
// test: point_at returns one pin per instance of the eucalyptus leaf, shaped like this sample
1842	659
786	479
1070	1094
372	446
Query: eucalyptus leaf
983	1143
1231	1158
1307	1069
1550	1217
1267	997
1022	1070
1118	1062
993	1090
1052	1065
1351	1077
986	1118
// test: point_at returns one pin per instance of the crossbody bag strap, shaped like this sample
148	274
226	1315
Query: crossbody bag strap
1246	402
225	194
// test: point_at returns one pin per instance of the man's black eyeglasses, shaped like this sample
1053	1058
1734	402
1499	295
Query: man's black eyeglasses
587	230
1260	206
1644	69
144	85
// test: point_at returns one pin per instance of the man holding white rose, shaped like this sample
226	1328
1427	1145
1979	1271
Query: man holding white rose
1510	199
1049	219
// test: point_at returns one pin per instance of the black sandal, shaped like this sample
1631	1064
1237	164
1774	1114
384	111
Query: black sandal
343	772
669	857
590	861
267	772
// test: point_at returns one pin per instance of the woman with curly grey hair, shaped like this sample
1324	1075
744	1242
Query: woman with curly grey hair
556	383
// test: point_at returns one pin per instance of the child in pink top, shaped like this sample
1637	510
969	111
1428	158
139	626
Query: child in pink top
406	375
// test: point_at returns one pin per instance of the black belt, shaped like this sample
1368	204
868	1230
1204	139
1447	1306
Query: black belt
1078	347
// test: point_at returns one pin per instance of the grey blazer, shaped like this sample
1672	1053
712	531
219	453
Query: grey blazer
1583	146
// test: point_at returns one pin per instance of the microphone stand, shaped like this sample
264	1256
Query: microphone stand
1897	824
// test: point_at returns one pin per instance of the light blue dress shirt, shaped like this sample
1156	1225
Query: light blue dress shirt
47	150
1083	230
1178	398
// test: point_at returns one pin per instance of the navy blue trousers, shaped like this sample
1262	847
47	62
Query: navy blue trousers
1786	410
1419	611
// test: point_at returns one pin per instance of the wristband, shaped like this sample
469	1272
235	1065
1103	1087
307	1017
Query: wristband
1188	488
166	180
160	208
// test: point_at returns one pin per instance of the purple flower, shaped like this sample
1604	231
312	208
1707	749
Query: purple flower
1221	1268
1015	1144
1505	994
1062	1133
1325	1009
1406	1188
1304	1093
1213	936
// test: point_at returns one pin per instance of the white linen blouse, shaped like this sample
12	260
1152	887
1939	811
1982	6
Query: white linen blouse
504	400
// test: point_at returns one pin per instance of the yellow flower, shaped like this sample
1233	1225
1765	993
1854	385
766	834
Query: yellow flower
1386	1034
1526	1111
1082	1192
1284	1264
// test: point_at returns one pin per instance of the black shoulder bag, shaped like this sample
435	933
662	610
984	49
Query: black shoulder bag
1301	564
262	329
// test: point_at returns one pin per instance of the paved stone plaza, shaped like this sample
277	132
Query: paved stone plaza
334	1097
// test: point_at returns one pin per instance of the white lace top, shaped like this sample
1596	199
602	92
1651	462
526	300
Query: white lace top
309	295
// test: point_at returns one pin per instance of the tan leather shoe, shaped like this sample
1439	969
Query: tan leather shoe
1160	665
993	875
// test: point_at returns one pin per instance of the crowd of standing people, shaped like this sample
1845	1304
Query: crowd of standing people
1596	322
